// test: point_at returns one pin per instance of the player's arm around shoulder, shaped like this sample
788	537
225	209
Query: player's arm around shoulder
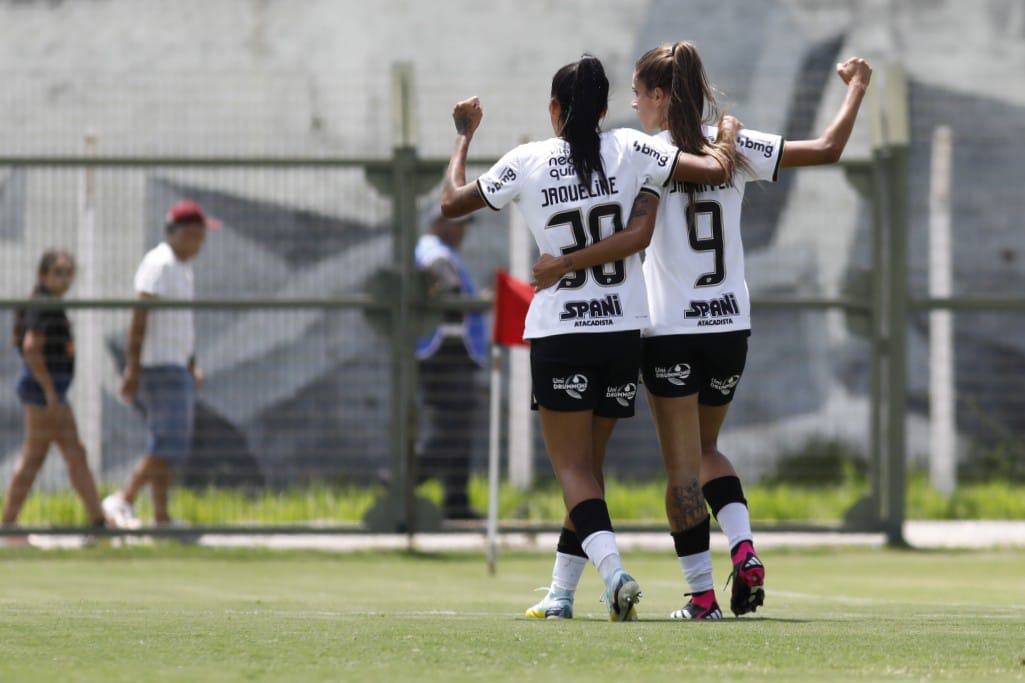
636	236
717	167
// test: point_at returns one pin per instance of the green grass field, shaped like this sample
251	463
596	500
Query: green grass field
173	613
629	501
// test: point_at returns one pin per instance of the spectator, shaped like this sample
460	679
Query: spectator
449	360
161	374
44	339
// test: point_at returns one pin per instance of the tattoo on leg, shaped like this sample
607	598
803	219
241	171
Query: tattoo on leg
687	505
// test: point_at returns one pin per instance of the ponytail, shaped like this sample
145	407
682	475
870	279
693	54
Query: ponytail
678	70
582	91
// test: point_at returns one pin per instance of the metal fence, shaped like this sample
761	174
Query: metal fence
307	307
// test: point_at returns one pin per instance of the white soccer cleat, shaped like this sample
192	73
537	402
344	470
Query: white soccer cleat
621	595
120	512
554	605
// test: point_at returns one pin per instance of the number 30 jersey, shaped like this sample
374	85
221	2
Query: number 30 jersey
565	215
695	278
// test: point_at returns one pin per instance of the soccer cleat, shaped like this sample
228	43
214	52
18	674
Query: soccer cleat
621	594
554	605
120	512
702	605
748	579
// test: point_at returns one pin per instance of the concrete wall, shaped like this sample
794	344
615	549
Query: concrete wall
265	77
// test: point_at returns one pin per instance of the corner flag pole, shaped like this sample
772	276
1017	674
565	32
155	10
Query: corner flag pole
512	300
493	466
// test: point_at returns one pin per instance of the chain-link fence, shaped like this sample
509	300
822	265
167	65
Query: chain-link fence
306	305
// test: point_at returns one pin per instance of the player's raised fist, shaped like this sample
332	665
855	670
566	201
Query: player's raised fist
467	115
854	70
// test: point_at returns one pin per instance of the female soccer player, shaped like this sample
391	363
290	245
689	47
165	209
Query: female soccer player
44	340
576	189
695	348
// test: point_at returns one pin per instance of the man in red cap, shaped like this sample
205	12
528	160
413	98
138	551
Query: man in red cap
161	374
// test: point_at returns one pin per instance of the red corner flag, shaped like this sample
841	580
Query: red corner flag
512	299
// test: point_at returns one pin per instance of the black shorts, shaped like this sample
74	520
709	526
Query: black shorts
596	372
709	365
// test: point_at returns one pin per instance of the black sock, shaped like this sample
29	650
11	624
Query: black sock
569	544
693	540
589	516
721	492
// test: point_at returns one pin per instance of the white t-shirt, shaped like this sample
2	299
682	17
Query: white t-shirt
170	333
564	215
696	282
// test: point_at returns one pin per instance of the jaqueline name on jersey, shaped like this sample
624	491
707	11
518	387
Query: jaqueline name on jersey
562	194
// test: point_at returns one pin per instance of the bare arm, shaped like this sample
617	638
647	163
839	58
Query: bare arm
133	351
550	269
32	352
827	148
457	197
709	169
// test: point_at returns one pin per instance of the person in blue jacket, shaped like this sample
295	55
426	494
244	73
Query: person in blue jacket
449	361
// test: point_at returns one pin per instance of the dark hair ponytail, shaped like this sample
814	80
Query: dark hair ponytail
46	262
582	91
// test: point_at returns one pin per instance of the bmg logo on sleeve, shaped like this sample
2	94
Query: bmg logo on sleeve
766	148
662	159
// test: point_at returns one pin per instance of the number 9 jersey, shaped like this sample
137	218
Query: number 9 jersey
695	278
565	215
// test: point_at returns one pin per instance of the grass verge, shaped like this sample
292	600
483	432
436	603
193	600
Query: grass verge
629	502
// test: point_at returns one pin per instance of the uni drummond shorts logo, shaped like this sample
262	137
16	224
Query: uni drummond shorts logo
674	374
575	386
725	385
623	394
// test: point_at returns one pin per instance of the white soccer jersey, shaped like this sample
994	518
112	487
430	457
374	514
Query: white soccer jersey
696	281
565	215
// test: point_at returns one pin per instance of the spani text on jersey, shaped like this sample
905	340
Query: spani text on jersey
592	312
713	311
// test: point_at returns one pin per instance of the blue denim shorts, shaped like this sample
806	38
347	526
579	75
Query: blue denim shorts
167	397
31	393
